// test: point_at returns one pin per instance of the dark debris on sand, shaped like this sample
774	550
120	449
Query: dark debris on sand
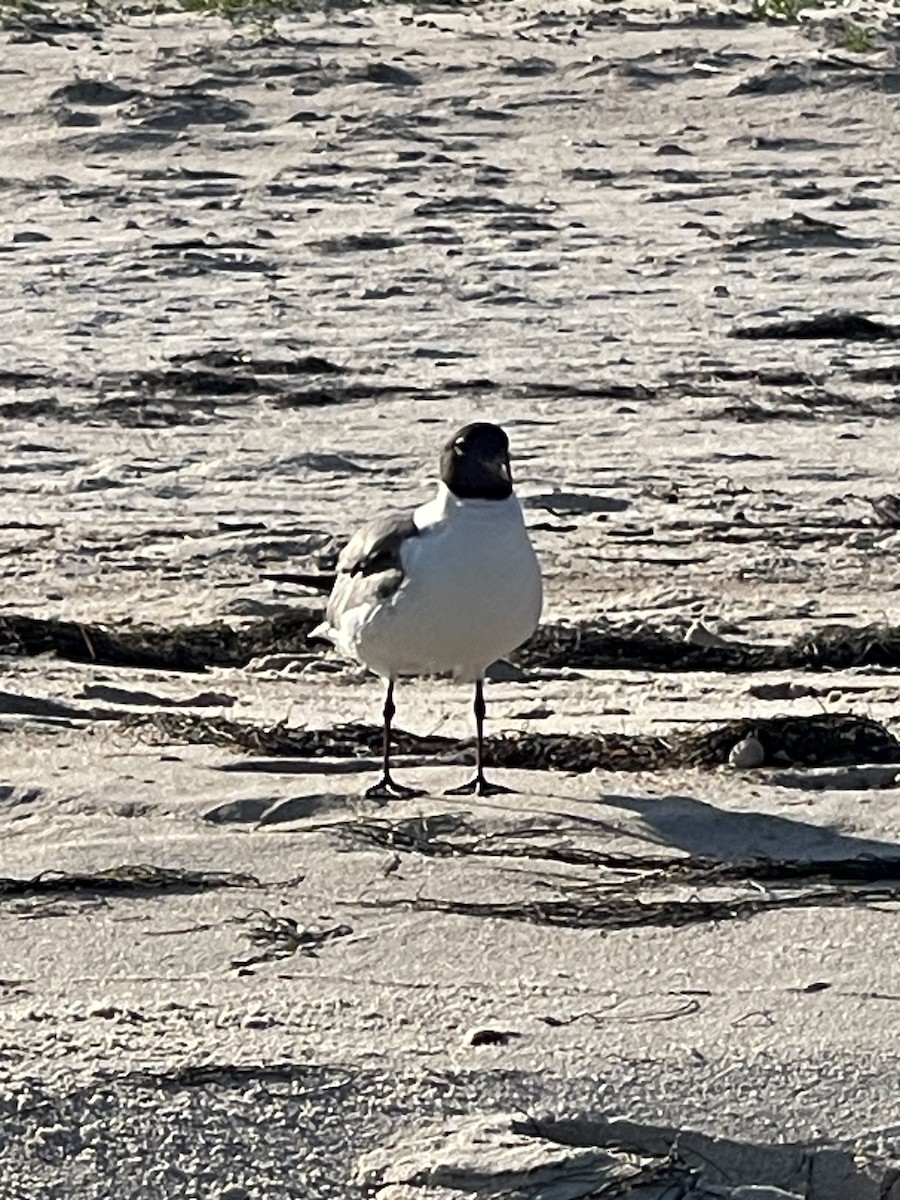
887	509
280	937
841	326
594	645
126	880
828	739
632	890
588	645
342	741
452	835
591	909
182	648
811	405
196	389
193	388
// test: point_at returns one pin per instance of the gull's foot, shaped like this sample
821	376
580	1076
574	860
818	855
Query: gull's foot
479	786
387	789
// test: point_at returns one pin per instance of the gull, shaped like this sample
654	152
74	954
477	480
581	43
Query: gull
445	589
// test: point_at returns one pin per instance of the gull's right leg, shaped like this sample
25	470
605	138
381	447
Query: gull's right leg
386	788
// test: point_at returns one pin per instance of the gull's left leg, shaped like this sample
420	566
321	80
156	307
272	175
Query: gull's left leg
479	786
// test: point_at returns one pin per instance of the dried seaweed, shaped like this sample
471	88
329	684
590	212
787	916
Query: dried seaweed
603	909
427	835
244	363
292	1075
839	646
29	410
194	388
796	231
887	509
629	890
341	741
125	880
282	937
879	373
208	382
823	326
587	645
810	405
594	645
182	648
827	739
445	835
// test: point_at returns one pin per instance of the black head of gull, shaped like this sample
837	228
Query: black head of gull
475	463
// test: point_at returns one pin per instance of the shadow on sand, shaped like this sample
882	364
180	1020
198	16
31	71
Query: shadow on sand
699	828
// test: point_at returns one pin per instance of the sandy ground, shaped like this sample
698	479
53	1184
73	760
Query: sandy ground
253	277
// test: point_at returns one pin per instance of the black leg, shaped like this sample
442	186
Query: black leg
479	786
386	788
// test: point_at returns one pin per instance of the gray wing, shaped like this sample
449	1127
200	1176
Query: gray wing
370	567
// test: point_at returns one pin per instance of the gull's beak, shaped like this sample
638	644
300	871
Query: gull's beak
504	470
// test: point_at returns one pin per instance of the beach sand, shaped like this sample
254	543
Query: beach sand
254	275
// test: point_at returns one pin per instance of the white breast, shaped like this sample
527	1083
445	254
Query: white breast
471	592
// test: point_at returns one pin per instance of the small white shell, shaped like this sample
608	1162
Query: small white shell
746	753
